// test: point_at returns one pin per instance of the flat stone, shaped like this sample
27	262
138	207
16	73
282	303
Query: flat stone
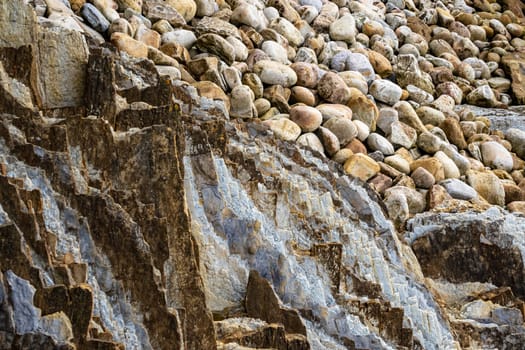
488	186
361	166
399	163
329	140
216	45
459	189
344	29
312	141
95	19
432	165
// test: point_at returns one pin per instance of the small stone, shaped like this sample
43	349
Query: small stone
329	140
312	141
217	45
182	37
488	186
355	80
380	63
408	115
129	45
513	193
157	11
454	133
362	130
419	95
242	103
240	50
254	82
329	110
284	128
275	51
307	74
517	207
517	139
496	156
361	166
402	135
135	5
429	142
275	73
436	196
303	95
308	118
343	128
148	36
387	116
262	106
247	14
381	183
399	163
385	91
483	96
423	178
449	167
459	190
415	200
432	165
333	89
342	155
344	29
363	109
187	8
212	91
429	115
95	19
397	207
288	30
357	146
377	142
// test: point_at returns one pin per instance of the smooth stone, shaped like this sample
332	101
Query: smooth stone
432	165
312	141
453	131
363	108
517	139
216	45
307	74
170	71
362	130
187	8
408	115
183	37
429	142
262	106
248	14
157	11
397	207
423	178
429	115
361	166
344	29
419	95
329	140
303	95
458	189
415	200
399	163
212	91
342	155
377	142
461	161
333	89
254	82
284	128
95	19
129	45
135	5
240	50
275	73
329	110
343	128
386	117
206	7
449	167
241	101
148	36
496	156
380	64
360	63
402	135
385	91
408	73
288	30
355	80
275	51
488	186
482	96
451	89
308	118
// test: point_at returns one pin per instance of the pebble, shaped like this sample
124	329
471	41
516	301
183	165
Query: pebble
329	140
95	19
402	135
377	142
488	186
449	167
284	128
423	178
330	110
399	163
361	166
332	88
343	128
344	29
242	103
308	118
432	165
312	141
385	91
275	73
496	156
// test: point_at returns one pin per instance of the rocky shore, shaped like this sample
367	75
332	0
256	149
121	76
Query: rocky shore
202	174
378	87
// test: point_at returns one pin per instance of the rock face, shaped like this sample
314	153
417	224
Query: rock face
169	179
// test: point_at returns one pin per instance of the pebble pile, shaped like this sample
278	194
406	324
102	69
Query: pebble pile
377	86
